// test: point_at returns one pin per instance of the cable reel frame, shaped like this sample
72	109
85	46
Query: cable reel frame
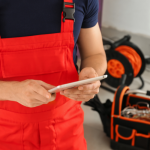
112	54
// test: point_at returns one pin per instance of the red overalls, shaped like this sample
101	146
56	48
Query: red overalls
54	126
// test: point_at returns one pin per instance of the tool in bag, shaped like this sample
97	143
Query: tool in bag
137	112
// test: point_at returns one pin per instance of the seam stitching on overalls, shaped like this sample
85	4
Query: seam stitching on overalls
2	45
22	135
39	137
55	134
34	49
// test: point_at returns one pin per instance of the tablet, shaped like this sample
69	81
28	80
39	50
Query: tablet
76	84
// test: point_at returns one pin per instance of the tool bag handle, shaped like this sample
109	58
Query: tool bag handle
119	98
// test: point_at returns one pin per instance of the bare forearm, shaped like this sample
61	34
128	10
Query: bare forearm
4	85
91	49
6	88
98	62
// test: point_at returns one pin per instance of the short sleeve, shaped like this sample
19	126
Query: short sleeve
91	14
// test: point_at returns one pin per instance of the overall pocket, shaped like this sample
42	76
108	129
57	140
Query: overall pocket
10	135
33	62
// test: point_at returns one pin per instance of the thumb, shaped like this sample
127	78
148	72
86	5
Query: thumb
87	73
46	85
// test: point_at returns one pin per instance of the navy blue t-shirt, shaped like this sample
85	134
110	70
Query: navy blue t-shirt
20	18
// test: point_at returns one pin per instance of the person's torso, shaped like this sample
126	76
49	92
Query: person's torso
46	57
34	17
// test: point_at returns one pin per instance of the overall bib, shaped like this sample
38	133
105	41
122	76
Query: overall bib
57	125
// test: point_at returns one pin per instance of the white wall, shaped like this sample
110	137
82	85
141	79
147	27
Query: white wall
127	15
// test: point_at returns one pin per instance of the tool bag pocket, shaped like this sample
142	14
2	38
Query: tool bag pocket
131	137
124	135
142	141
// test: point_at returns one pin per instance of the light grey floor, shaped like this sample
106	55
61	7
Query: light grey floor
93	129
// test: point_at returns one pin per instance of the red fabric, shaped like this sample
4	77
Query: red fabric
54	126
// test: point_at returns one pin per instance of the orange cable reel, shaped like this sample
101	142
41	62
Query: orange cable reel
116	68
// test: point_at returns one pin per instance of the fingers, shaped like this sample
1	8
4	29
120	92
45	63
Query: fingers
45	85
53	97
77	95
31	93
76	91
38	98
85	94
91	86
87	89
87	72
38	93
81	97
39	89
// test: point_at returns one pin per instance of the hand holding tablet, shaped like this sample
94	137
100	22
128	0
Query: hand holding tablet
76	84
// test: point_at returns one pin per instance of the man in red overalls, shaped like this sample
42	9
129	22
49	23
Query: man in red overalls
30	117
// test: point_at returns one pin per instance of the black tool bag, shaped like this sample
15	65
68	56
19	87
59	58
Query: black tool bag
125	133
128	133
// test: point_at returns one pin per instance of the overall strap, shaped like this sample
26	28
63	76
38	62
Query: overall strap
67	16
